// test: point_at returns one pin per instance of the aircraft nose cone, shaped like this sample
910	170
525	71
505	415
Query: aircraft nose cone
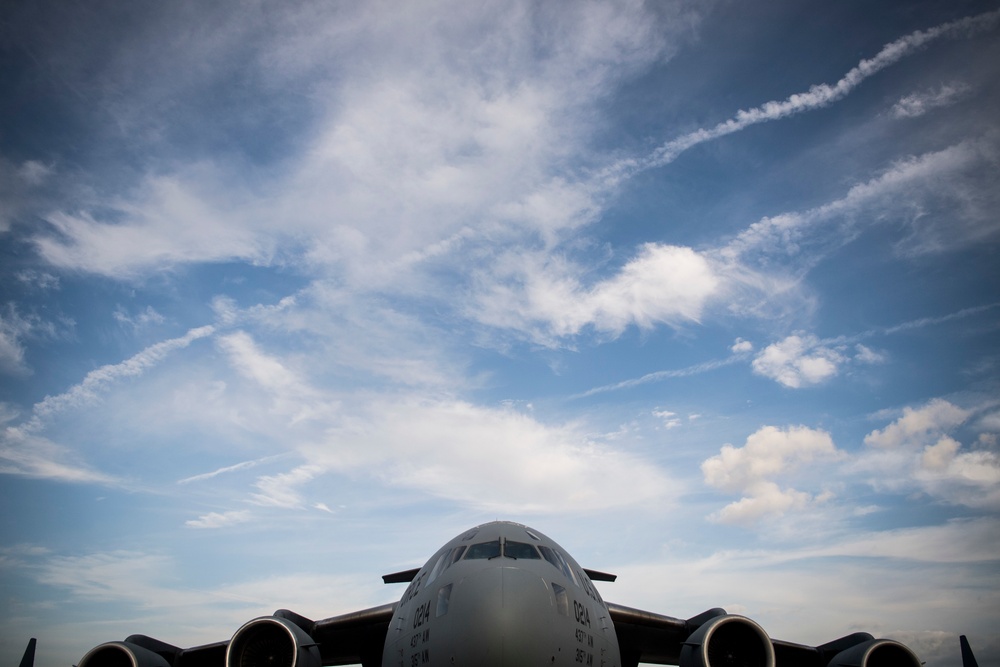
502	617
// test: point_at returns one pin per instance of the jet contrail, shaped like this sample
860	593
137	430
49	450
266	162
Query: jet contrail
817	96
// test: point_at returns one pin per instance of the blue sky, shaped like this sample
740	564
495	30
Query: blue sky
293	293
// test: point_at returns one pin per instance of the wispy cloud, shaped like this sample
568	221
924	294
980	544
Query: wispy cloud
243	465
800	359
918	178
25	454
816	97
657	376
918	104
24	451
517	464
139	321
95	381
220	519
13	328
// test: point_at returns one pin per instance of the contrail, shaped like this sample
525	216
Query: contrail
817	96
740	356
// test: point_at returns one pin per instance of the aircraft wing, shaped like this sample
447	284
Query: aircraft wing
644	636
349	639
716	636
354	638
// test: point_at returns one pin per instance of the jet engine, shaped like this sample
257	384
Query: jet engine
728	641
271	641
875	653
122	654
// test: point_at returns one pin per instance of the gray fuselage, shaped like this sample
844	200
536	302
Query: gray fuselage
501	594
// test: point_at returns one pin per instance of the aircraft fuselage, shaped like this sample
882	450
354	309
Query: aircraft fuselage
501	594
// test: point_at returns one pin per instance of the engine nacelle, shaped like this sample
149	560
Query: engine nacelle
122	654
728	641
271	641
875	653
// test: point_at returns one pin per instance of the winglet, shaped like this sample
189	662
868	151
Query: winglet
400	577
968	660
28	659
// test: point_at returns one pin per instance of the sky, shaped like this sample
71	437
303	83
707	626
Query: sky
293	293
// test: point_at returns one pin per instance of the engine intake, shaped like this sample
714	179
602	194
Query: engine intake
728	641
271	641
875	653
122	654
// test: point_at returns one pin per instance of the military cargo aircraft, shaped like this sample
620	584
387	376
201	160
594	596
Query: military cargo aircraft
502	595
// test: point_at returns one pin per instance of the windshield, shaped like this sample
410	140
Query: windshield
483	550
519	550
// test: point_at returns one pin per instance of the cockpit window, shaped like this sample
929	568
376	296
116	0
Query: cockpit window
557	561
519	550
444	561
483	550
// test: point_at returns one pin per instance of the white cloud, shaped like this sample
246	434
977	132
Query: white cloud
990	422
40	280
282	490
496	460
970	478
917	452
657	376
454	127
818	96
763	499
666	284
741	346
670	419
876	581
143	319
377	211
265	370
16	329
918	426
866	355
28	455
291	391
220	519
910	192
797	361
142	582
663	284
95	381
918	104
24	452
768	453
170	221
243	465
13	329
113	575
34	172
